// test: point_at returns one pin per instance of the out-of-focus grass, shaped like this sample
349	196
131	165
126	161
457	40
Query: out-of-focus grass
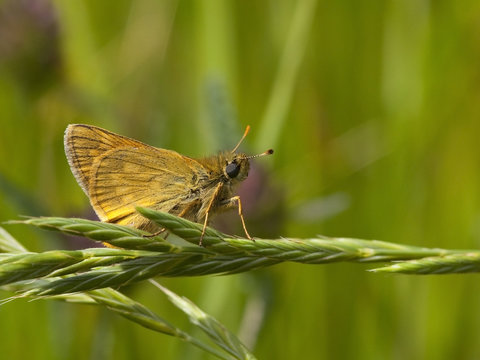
378	140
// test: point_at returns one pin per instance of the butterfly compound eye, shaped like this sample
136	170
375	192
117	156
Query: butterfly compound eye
232	170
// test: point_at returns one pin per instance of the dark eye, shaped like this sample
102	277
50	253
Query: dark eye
232	170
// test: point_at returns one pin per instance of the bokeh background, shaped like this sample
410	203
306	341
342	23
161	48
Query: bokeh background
372	108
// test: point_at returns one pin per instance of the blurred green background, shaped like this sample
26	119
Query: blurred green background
373	109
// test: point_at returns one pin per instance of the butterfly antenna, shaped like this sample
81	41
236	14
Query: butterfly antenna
243	137
268	152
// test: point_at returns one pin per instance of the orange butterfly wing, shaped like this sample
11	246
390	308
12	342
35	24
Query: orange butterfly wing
118	174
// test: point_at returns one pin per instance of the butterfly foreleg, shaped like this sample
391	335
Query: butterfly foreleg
209	207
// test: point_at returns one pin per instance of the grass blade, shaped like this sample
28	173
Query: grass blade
209	325
93	269
116	235
8	244
449	264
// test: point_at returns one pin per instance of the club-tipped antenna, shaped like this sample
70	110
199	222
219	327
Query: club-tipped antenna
265	153
243	137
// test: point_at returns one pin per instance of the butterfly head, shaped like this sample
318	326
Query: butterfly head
237	165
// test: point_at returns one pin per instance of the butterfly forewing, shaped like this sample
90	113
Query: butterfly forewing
118	174
85	143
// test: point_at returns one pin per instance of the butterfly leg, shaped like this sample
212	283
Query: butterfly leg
156	233
235	202
210	204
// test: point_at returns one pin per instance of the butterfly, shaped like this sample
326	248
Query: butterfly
118	174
